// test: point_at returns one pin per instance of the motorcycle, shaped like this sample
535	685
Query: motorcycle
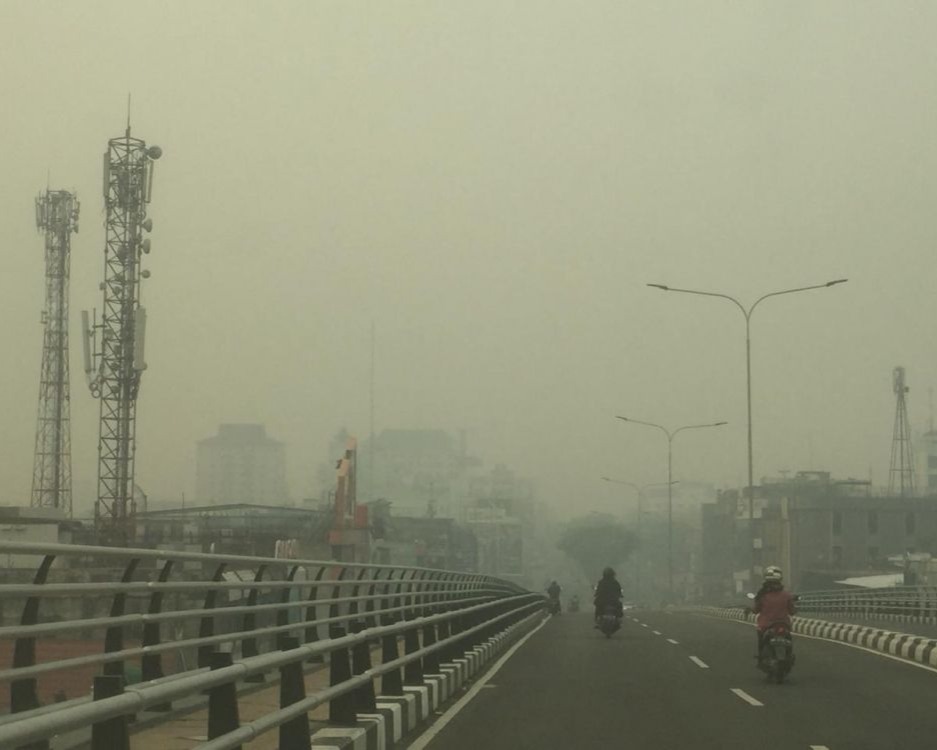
553	605
776	657
609	620
777	652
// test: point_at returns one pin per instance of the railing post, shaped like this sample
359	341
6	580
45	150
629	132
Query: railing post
23	696
294	734
311	631
361	661
391	682
342	708
222	700
151	665
110	734
249	645
206	627
114	636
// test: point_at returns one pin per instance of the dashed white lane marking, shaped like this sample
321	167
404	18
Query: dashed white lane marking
671	640
656	632
819	747
699	662
746	697
643	624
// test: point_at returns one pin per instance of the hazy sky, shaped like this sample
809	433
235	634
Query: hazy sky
492	183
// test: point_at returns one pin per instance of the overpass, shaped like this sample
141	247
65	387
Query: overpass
213	652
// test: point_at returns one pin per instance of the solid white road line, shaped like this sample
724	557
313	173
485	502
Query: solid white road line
819	747
746	697
699	662
656	632
671	640
424	739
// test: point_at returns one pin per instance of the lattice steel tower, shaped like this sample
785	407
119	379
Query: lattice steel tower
57	217
117	363
901	476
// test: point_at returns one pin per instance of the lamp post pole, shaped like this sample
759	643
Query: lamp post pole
671	434
747	313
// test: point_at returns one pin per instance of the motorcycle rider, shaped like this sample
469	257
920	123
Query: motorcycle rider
553	590
772	604
607	591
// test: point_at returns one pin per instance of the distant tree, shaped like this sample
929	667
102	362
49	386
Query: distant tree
596	541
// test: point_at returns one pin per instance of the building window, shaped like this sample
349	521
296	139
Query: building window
837	556
873	522
837	522
932	462
931	481
909	524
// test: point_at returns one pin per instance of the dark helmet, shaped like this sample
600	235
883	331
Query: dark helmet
608	573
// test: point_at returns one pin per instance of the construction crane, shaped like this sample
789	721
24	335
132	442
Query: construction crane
901	474
116	363
57	217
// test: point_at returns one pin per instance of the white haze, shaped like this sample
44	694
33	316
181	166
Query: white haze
492	183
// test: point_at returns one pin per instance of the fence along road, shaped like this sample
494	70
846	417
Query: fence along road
105	614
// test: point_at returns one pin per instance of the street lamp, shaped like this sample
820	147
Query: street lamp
748	378
671	434
640	490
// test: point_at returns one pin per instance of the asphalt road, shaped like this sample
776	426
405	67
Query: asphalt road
689	681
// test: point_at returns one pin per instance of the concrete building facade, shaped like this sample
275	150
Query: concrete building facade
241	464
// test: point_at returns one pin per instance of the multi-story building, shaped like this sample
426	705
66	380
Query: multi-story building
241	464
925	453
819	530
419	471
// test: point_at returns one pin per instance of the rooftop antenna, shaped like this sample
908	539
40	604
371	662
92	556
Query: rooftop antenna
128	114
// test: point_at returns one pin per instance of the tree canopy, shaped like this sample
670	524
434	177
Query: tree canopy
596	541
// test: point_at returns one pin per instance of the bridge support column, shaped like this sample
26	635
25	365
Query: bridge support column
110	734
412	671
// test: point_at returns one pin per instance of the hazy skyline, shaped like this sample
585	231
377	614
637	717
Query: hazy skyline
493	184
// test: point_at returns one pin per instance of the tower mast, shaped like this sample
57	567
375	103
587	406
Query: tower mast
57	217
119	336
901	475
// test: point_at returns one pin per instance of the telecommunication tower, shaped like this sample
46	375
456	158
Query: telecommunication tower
901	475
57	217
116	364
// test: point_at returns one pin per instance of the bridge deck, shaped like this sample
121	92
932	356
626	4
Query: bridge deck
568	686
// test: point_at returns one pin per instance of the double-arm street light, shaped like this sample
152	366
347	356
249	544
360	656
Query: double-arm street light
671	434
747	312
640	490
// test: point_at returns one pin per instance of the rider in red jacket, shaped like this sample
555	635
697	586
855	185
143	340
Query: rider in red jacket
772	603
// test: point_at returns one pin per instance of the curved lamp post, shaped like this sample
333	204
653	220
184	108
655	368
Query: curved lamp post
671	434
747	313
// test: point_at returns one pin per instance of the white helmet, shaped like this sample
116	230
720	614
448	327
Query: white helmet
773	573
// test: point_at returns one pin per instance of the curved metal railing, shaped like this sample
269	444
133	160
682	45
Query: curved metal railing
917	602
74	615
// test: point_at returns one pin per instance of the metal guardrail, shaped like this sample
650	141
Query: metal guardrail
918	602
227	619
